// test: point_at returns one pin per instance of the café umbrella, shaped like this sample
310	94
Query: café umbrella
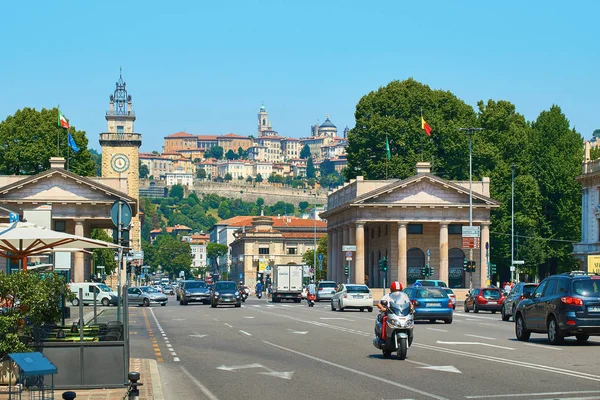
19	240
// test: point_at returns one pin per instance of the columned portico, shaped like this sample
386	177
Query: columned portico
443	252
79	273
400	273
359	264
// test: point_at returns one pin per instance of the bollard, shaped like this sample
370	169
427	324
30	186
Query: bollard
133	392
69	395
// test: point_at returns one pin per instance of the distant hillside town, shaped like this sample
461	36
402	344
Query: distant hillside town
186	157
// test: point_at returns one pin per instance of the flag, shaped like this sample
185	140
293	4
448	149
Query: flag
387	148
62	121
425	126
72	143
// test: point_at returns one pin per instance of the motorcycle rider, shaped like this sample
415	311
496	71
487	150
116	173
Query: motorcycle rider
311	292
394	287
259	288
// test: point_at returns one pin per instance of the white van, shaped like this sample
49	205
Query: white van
105	295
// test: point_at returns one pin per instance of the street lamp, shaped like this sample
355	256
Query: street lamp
512	230
470	131
315	238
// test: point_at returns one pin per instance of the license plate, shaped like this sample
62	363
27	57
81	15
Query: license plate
433	304
594	309
228	299
492	302
358	297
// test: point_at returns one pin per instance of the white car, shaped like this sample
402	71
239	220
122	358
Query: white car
352	296
452	296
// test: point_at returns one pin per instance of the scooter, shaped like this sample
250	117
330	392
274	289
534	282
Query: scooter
398	329
259	295
310	299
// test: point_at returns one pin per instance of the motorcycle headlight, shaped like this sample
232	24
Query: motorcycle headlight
217	294
237	293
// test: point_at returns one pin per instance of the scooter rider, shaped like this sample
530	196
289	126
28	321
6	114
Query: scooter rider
259	288
394	287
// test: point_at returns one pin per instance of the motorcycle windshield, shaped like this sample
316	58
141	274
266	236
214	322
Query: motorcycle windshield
398	304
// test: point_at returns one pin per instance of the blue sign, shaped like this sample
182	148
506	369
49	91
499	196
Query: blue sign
13	217
241	275
428	253
268	267
417	284
320	257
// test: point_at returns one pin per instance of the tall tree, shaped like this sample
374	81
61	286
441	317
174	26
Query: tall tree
97	159
176	192
326	167
144	171
215	152
305	152
104	257
231	155
310	169
30	137
214	251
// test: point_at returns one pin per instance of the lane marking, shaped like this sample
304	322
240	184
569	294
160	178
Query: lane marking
153	341
481	337
231	326
489	396
355	371
477	343
248	317
200	386
245	333
173	353
437	330
542	346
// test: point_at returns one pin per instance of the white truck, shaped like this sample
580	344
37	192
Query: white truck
287	282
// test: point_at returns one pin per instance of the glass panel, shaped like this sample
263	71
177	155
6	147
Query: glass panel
415	229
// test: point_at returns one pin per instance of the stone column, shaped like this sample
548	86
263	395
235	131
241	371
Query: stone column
339	257
401	271
443	266
352	233
359	264
78	264
331	273
345	240
485	238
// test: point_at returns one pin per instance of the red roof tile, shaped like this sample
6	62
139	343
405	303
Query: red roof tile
179	135
278	222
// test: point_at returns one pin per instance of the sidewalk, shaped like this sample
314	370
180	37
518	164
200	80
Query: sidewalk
151	389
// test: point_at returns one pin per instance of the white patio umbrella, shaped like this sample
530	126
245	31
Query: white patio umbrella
19	240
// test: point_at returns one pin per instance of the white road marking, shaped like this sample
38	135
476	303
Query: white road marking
490	396
200	386
542	346
480	337
471	317
245	333
298	332
196	334
437	330
226	324
249	317
355	371
179	319
270	305
443	368
173	353
283	375
477	343
345	319
176	359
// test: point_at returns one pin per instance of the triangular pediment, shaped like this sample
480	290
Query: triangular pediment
423	189
57	185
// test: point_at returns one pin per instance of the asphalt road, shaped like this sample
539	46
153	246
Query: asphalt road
291	351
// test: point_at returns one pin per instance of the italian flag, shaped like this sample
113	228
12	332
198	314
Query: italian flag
62	121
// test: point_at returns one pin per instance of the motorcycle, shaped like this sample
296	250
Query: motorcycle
259	294
310	299
244	294
398	329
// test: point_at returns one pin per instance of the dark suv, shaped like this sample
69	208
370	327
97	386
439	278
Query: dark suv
562	305
518	293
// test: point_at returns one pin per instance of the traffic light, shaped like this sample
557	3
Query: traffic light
125	242
431	271
347	270
473	266
465	264
492	269
381	264
384	264
423	271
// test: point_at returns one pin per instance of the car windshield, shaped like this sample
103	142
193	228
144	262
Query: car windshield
225	286
398	304
529	288
587	287
327	284
448	291
148	289
104	288
195	285
430	293
490	293
357	289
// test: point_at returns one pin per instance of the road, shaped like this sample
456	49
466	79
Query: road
291	351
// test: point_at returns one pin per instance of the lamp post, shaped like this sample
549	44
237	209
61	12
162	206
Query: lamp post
512	230
470	131
241	266
315	239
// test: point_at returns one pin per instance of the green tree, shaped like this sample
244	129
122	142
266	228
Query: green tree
143	170
249	179
259	178
260	202
176	192
308	257
327	167
215	152
201	174
214	251
242	154
224	210
310	169
97	159
231	155
228	177
171	254
105	257
303	205
30	137
305	152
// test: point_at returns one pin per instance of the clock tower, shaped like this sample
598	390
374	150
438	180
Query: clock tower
120	149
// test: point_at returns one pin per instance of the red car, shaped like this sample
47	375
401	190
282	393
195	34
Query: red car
487	299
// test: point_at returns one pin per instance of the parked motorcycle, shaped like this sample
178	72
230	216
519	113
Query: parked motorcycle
398	331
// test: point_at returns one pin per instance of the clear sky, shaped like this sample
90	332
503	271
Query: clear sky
206	67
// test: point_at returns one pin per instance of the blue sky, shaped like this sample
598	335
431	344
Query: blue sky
206	67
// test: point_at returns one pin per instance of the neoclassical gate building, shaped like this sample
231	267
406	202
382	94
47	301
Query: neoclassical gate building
404	220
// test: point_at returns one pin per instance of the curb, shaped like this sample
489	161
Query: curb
157	392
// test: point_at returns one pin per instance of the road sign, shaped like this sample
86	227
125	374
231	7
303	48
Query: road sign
428	253
241	275
349	254
125	213
349	247
268	268
512	268
470	242
320	257
138	255
518	262
348	258
470	231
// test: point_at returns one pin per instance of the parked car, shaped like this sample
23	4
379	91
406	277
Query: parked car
518	292
486	299
562	305
225	292
146	296
452	296
430	303
194	291
431	282
325	290
354	296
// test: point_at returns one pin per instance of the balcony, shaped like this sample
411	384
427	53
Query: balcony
591	167
133	138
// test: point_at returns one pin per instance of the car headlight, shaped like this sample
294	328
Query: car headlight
186	292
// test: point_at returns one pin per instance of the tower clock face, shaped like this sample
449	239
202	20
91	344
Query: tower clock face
119	163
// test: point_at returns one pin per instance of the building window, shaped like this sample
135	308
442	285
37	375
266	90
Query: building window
415	229
379	231
455	229
263	250
386	230
60	226
292	250
120	129
372	233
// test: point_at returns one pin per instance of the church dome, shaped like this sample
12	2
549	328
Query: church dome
327	124
262	108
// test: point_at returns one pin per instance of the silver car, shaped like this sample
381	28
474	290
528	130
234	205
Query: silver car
145	296
325	290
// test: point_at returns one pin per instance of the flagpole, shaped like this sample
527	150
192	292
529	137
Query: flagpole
68	152
387	143
58	135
